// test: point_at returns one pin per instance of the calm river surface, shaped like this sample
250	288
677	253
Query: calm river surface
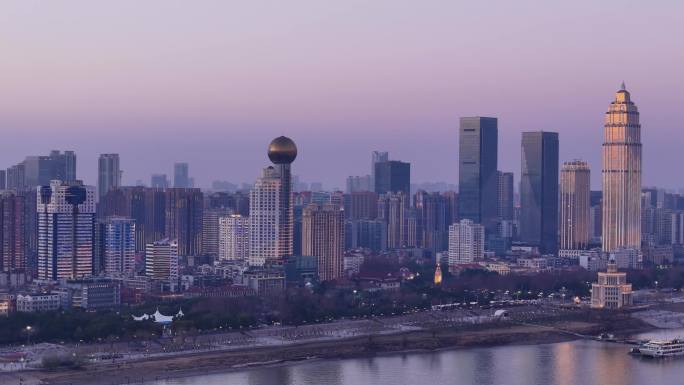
567	363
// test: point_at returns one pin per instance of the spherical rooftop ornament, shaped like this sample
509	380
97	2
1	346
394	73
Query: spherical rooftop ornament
282	150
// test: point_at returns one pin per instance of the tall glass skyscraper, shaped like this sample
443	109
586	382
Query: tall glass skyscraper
108	174
478	178
622	174
539	190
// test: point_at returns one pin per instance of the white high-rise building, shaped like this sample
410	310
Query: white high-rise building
66	228
161	263
622	174
233	242
264	217
466	242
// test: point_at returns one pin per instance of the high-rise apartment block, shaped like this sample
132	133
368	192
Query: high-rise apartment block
323	237
116	241
66	228
12	245
466	242
505	192
161	263
233	238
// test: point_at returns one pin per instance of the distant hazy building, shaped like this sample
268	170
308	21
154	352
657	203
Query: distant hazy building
181	175
358	183
12	241
622	174
323	237
66	228
466	242
505	196
393	209
369	234
3	179
233	238
393	176
539	190
116	246
210	229
574	205
477	174
612	290
161	263
362	205
108	173
377	157
433	220
184	216
159	181
40	170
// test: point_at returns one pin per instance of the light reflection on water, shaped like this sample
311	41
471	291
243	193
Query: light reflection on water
567	363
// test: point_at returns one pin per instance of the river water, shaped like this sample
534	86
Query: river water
568	363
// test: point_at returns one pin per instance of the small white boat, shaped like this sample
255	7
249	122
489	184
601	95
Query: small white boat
662	348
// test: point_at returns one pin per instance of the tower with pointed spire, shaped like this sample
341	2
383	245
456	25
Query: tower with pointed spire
621	174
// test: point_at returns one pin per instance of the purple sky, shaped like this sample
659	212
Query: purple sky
212	82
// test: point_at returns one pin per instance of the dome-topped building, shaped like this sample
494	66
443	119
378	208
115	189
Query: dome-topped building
282	150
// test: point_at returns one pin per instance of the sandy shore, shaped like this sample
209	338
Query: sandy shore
191	364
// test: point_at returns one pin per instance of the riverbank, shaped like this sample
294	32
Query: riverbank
191	364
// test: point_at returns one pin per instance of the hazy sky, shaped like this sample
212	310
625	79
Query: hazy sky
212	82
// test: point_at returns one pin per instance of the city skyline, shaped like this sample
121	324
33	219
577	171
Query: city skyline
313	94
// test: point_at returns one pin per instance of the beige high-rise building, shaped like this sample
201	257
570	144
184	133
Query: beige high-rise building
466	243
323	237
622	174
574	205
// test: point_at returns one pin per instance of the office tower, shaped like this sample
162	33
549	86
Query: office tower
377	157
393	210
539	190
323	237
184	215
477	171
181	175
433	220
66	227
452	206
574	205
233	238
108	174
466	242
3	179
210	229
159	181
505	194
115	246
12	245
358	183
611	291
393	176
622	174
362	205
161	263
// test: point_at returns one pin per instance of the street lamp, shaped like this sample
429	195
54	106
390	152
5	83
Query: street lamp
29	328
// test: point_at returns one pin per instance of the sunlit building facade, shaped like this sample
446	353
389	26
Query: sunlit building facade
574	205
622	174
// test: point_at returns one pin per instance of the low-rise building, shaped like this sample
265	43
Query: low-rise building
38	302
612	290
